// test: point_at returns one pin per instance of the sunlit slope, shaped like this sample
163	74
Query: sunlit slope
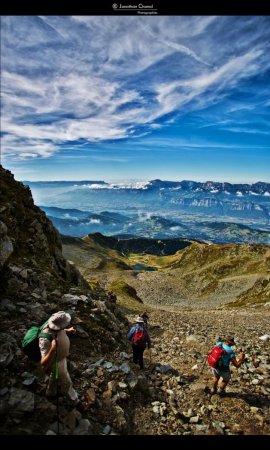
90	256
210	276
199	276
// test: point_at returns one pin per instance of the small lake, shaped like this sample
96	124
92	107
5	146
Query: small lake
143	267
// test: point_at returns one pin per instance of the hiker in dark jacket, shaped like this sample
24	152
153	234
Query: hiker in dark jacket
139	345
224	371
145	317
57	349
111	301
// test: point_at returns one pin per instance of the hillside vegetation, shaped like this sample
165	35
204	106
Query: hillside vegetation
200	275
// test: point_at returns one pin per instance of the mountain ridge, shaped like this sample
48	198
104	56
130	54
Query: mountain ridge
259	187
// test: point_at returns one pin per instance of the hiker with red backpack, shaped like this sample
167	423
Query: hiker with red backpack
139	337
54	348
219	358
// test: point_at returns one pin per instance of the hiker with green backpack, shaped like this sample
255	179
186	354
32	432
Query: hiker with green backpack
139	337
54	354
49	345
219	359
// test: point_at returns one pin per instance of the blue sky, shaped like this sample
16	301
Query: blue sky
136	98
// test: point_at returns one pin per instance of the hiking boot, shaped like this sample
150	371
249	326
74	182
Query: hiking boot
51	397
221	392
207	390
213	390
72	401
82	407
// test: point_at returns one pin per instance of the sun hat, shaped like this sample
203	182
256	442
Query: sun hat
59	320
139	320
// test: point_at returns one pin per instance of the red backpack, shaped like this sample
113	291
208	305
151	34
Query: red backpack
215	355
140	337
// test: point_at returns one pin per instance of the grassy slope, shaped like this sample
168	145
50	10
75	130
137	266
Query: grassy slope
234	275
103	268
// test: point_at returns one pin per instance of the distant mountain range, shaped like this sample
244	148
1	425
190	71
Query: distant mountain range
259	188
62	183
158	209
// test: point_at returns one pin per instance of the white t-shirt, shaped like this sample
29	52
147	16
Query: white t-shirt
63	343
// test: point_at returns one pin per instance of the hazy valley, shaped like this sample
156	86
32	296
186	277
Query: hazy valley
215	212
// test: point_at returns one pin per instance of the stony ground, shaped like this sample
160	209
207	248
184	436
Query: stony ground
168	397
178	403
172	288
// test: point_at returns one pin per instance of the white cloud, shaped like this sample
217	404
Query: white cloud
13	146
175	46
95	78
179	93
91	221
138	185
247	130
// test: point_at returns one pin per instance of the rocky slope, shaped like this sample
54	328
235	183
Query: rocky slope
178	400
168	397
36	281
31	257
204	276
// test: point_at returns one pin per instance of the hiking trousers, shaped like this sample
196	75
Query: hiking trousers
138	355
65	383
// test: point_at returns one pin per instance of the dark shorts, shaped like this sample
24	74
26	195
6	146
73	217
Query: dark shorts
223	373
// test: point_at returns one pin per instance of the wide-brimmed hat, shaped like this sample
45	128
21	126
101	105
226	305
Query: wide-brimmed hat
230	340
59	320
139	320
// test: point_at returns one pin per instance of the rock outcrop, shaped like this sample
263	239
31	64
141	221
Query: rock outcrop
31	257
36	281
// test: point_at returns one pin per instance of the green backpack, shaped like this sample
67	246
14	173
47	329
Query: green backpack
30	344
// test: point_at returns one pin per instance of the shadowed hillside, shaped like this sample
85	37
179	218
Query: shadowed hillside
35	281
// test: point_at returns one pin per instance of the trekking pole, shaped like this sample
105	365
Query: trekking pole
245	362
204	365
150	357
57	393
